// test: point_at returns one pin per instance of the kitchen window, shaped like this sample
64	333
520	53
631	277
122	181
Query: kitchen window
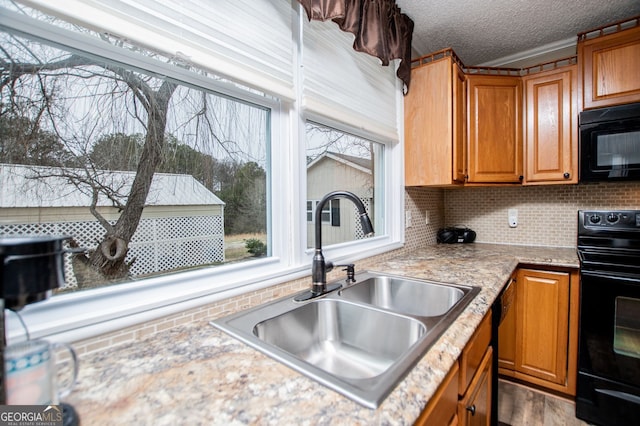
337	160
232	165
80	133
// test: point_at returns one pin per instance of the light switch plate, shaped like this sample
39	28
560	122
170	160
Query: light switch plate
407	219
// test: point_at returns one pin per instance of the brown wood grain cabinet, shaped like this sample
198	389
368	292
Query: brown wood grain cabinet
538	339
481	128
543	324
551	128
474	406
610	68
442	408
435	125
507	329
464	396
494	129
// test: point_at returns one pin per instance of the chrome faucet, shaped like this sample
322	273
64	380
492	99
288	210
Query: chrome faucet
319	266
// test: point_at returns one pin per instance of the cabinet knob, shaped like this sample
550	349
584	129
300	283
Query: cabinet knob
472	410
567	175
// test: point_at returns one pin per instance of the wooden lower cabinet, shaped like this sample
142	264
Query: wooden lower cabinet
538	339
475	406
442	407
507	330
464	397
474	389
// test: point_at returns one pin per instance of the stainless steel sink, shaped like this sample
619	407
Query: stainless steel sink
413	297
342	338
360	341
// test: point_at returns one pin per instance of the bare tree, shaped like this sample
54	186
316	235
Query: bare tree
26	78
108	117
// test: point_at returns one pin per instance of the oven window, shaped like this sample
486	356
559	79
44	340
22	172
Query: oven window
626	340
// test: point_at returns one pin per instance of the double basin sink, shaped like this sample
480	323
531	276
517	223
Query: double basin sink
360	340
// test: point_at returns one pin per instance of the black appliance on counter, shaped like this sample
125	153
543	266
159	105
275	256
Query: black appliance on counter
455	235
609	143
608	383
30	268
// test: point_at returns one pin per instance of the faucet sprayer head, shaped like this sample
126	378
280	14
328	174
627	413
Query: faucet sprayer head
367	227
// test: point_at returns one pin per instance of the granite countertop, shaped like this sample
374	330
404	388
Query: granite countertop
196	374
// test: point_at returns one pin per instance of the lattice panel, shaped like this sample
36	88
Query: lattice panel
159	244
358	229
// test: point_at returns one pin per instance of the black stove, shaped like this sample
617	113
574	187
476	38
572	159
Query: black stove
609	241
608	383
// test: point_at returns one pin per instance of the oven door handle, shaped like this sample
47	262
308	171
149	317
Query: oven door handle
620	395
622	276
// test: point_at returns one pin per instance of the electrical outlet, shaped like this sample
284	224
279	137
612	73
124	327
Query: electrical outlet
407	219
513	218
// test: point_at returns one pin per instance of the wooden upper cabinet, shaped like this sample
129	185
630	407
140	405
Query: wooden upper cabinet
551	137
494	129
610	69
459	125
434	125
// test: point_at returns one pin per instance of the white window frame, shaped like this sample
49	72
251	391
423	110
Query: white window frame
86	314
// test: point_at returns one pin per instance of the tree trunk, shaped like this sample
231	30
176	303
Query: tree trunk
109	257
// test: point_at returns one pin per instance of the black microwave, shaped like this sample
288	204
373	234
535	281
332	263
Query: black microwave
610	143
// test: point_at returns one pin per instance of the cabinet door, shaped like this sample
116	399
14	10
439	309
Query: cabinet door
441	409
551	140
428	124
494	129
609	68
475	407
542	323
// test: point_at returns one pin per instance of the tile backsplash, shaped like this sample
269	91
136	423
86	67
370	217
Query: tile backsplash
547	215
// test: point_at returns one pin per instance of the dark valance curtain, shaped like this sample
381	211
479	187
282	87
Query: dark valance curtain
380	28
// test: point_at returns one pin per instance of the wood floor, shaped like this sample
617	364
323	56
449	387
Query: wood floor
519	406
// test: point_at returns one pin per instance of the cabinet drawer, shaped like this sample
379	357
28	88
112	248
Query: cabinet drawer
473	353
442	408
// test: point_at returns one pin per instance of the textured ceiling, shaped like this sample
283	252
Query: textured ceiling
483	31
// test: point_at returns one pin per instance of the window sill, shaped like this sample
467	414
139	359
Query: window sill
87	314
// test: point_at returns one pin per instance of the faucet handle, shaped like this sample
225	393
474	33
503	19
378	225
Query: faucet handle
351	272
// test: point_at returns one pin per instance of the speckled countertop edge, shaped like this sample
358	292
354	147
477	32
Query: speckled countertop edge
195	374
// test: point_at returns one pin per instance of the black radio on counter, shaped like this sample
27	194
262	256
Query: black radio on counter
456	235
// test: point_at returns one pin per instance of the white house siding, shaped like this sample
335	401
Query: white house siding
333	173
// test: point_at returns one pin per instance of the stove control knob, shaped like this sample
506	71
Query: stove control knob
594	219
612	218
